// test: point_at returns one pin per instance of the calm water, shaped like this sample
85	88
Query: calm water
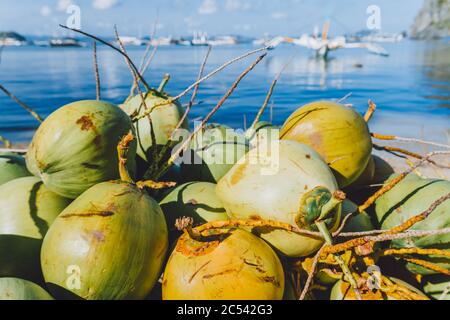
411	87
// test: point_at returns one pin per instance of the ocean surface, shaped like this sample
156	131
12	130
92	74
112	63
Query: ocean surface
411	87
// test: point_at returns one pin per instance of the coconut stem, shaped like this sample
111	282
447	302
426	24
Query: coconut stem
331	205
370	111
154	184
345	269
164	82
122	151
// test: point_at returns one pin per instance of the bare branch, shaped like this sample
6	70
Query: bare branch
112	47
23	105
97	74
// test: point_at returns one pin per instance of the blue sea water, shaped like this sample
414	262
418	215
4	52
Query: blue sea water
411	87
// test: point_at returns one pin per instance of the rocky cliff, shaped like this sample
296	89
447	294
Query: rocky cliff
432	21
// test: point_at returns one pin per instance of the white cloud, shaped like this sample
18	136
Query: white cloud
279	15
63	4
104	4
237	5
208	7
46	11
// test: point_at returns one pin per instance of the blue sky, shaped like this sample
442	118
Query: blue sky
181	17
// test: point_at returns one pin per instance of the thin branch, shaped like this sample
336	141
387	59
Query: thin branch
428	265
406	234
112	47
2	47
141	94
396	180
149	44
23	105
97	74
311	273
270	92
407	153
214	110
348	95
209	75
194	94
411	140
343	224
388	234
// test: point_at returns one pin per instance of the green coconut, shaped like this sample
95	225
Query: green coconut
12	166
27	210
75	147
342	290
233	266
359	222
115	235
197	200
383	170
214	152
18	289
110	243
287	182
410	197
338	133
367	176
164	119
437	286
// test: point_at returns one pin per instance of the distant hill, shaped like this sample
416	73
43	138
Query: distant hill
432	21
13	35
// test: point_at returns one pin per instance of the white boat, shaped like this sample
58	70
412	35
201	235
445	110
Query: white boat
323	45
162	41
12	39
131	41
65	42
222	41
200	39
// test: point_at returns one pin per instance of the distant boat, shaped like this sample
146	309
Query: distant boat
223	41
12	39
162	41
324	45
131	41
65	42
200	39
183	42
370	36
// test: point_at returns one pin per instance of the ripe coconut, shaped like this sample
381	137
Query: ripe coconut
410	197
338	133
343	291
12	166
18	289
75	147
27	209
197	200
287	182
164	119
214	152
235	265
110	243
